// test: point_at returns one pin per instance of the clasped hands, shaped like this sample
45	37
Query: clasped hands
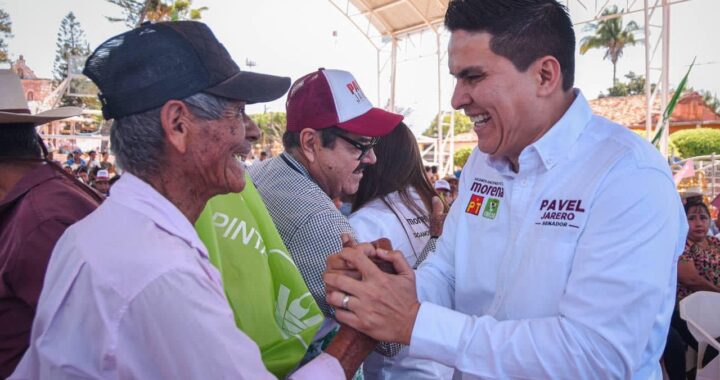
369	299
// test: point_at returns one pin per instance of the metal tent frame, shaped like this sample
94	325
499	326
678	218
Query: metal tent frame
387	22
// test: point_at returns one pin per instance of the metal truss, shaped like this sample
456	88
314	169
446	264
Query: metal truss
656	28
389	43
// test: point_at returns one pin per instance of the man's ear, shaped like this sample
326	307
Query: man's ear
548	75
174	117
310	141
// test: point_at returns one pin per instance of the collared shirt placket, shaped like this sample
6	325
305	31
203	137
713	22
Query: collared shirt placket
519	187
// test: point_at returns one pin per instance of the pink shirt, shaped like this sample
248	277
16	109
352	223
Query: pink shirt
130	294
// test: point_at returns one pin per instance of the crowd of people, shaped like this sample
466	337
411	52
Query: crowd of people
555	253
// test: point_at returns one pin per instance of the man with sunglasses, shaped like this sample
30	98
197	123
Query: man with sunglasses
331	130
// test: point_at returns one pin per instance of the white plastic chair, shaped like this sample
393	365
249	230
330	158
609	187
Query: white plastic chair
701	311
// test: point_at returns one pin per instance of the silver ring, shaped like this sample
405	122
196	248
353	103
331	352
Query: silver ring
345	301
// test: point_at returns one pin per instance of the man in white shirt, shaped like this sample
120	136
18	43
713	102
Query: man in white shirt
558	259
150	305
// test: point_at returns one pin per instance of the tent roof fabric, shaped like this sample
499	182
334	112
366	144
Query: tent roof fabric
395	17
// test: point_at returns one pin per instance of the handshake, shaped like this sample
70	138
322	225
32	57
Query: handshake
372	288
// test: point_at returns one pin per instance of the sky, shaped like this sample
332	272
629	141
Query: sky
293	37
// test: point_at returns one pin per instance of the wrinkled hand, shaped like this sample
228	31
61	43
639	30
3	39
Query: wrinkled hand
336	264
383	306
437	217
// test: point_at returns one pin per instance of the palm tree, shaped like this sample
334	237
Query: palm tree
610	34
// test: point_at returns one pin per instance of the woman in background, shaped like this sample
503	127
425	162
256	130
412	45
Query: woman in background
698	269
394	200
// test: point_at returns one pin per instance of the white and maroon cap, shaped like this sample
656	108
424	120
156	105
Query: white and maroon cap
327	98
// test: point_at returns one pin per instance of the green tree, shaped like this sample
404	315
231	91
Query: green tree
611	35
136	12
461	156
462	124
5	33
711	100
634	86
272	125
696	142
70	43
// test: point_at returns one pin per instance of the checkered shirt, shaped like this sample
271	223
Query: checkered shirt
305	216
308	222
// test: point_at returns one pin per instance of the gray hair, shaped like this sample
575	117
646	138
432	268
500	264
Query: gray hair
138	140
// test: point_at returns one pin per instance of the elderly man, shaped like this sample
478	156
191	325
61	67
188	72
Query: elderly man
38	201
331	130
150	305
558	258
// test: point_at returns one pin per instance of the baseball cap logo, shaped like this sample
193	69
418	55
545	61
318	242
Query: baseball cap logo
356	91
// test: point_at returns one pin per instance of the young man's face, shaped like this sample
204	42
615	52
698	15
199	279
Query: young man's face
497	97
102	186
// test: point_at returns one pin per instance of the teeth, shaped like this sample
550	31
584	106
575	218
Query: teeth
480	118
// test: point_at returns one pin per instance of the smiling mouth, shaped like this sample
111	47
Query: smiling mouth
480	120
360	169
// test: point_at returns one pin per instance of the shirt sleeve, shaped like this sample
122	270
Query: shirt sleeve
159	338
621	286
29	267
310	246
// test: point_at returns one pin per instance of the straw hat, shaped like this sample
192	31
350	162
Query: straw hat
14	107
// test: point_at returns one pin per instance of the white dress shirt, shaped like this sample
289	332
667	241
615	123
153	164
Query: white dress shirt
409	233
130	294
564	270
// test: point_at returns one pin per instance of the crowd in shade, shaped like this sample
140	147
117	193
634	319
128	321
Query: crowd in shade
560	251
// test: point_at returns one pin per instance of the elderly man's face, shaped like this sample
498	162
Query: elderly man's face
339	169
216	147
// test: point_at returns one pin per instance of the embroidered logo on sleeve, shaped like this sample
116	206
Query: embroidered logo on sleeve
491	208
473	207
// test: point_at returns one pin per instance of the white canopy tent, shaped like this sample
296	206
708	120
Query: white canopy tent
387	22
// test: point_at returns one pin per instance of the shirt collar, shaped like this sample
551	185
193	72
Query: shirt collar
132	192
296	165
30	180
555	144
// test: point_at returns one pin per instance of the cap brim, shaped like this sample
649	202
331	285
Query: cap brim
251	87
374	123
40	118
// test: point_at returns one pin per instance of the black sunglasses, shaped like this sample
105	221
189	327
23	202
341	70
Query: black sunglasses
364	148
